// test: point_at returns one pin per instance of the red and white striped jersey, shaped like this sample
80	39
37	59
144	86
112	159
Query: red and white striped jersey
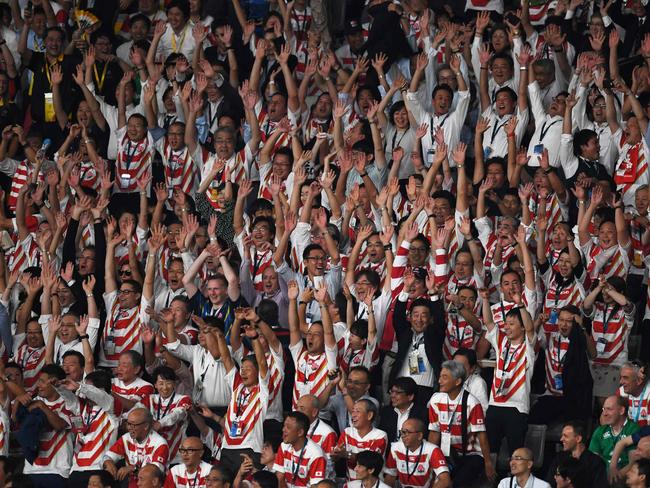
417	469
445	416
88	176
513	372
54	448
322	434
501	309
367	356
237	164
99	430
556	348
152	450
213	441
31	360
613	261
556	211
178	477
24	254
631	168
375	440
133	160
172	414
559	295
180	170
458	334
121	332
311	372
22	172
138	391
302	467
246	413
300	23
610	329
638	410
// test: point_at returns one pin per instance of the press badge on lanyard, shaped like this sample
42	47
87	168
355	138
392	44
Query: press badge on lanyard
416	362
48	104
109	345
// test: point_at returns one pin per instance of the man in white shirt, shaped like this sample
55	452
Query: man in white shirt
521	465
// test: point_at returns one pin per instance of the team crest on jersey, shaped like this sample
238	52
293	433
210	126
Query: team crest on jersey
420	469
302	473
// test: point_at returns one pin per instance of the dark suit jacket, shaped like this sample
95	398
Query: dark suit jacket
634	33
592	467
388	418
433	337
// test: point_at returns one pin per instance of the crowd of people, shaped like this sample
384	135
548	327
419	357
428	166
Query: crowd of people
269	244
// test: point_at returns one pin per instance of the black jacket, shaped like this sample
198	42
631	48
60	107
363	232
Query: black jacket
576	376
433	337
592	468
388	418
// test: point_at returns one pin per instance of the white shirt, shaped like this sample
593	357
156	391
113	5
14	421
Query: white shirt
548	130
210	383
532	482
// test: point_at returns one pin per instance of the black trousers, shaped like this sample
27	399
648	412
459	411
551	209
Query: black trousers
548	409
506	422
468	471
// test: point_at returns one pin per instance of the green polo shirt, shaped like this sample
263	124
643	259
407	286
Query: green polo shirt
603	442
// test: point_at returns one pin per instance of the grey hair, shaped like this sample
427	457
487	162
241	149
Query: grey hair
370	407
456	369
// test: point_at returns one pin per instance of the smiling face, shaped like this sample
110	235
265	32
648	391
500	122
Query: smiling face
511	285
217	291
504	104
375	249
463	269
420	318
607	235
401	119
34	334
316	262
442	102
165	387
501	70
68	332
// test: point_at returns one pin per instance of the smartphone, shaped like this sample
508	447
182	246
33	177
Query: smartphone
512	18
608	84
538	149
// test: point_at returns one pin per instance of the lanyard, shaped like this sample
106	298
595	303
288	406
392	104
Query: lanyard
545	129
181	40
195	480
442	122
241	401
558	292
88	420
417	461
313	430
353	355
560	359
169	405
102	80
211	119
400	140
495	129
25	361
606	319
296	467
130	154
453	414
507	359
417	343
459	337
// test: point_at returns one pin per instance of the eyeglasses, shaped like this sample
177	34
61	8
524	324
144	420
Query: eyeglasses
404	432
356	383
394	391
125	272
133	424
126	292
187	450
519	458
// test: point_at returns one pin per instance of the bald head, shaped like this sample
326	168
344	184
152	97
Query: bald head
309	405
191	451
149	476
